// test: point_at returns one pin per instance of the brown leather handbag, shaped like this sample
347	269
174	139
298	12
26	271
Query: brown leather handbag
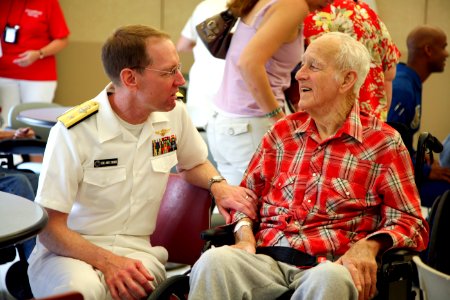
215	32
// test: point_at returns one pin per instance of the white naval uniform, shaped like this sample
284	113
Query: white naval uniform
113	206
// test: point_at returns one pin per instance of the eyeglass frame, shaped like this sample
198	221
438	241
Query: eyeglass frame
172	73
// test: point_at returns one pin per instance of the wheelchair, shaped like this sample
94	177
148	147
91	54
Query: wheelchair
394	279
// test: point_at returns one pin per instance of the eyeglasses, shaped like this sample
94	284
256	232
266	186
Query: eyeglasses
173	72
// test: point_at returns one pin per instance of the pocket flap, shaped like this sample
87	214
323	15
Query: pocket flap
165	163
234	129
104	176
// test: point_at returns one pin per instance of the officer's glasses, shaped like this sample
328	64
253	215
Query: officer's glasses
171	73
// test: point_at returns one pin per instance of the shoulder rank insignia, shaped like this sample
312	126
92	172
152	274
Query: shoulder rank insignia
79	113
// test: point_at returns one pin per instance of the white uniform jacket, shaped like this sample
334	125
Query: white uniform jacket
110	182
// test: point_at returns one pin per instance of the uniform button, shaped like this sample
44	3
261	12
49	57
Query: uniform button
230	131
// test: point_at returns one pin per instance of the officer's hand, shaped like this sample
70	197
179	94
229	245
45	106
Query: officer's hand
127	278
360	260
230	197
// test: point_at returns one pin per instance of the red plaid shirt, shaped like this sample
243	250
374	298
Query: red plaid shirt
324	196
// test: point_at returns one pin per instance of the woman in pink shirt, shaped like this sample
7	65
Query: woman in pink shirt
266	46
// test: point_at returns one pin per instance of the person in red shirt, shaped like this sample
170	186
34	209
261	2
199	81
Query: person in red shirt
356	18
335	185
33	31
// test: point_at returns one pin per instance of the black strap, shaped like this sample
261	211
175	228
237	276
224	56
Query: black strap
288	255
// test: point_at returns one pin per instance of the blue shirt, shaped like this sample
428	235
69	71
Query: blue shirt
406	104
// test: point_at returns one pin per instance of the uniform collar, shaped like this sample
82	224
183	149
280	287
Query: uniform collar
108	124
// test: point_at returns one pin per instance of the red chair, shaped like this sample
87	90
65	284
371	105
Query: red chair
184	213
65	296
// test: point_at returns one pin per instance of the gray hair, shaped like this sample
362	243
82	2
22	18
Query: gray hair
351	55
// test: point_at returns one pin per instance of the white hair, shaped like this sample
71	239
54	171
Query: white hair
352	55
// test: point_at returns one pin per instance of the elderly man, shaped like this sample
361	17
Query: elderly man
335	187
105	170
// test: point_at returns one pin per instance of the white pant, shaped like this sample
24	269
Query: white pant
233	141
15	91
51	274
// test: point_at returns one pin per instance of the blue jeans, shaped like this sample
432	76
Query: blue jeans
22	184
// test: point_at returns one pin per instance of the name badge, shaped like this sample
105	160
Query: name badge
11	34
100	163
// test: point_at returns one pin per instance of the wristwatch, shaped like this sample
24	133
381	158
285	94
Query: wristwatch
214	179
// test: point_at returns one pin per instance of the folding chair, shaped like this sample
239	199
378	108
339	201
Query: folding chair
24	147
41	131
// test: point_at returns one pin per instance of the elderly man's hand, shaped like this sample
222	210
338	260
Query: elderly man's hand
360	260
234	197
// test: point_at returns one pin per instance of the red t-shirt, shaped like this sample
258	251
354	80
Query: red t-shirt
40	21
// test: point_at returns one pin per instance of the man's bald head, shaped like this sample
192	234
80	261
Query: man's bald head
427	50
422	36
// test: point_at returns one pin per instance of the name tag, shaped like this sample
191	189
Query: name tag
100	163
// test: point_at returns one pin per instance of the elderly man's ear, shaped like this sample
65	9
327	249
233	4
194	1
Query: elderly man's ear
348	81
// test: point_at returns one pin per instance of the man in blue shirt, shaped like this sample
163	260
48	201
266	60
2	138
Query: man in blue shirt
426	55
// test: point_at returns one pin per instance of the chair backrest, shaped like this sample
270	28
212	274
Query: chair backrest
437	253
65	296
184	213
433	284
13	123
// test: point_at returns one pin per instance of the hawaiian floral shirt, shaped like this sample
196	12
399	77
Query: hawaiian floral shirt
361	22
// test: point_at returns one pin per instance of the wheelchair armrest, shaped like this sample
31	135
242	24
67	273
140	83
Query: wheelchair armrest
396	274
397	255
219	236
